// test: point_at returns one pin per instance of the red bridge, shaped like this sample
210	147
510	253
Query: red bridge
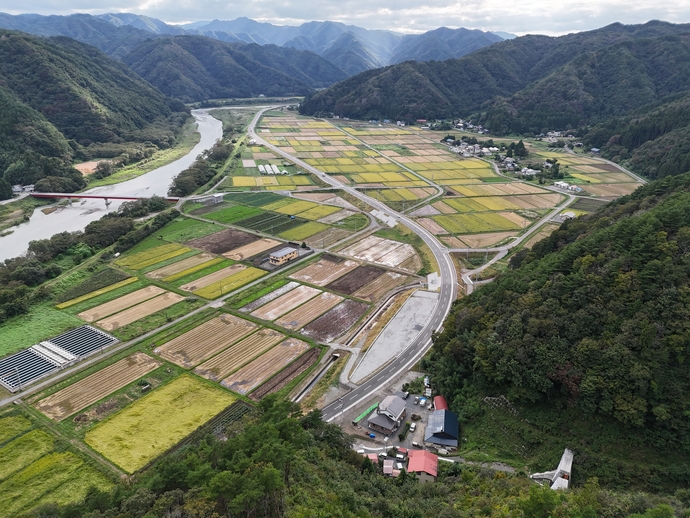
105	197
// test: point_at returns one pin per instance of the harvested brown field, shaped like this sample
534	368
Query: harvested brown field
325	270
453	242
286	375
327	237
543	233
432	226
427	210
618	189
98	385
213	277
443	208
221	242
335	322
202	342
375	249
516	218
356	279
259	370
135	313
483	240
269	297
233	358
180	266
121	303
256	247
377	289
307	312
285	303
337	216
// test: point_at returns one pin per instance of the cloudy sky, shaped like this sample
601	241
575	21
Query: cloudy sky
517	16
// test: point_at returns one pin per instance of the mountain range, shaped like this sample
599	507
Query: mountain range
350	48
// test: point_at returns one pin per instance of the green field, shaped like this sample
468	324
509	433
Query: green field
141	432
233	214
255	199
42	322
473	223
304	231
32	473
182	230
230	283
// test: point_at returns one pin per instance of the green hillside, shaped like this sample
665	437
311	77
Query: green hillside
525	83
588	337
195	68
62	100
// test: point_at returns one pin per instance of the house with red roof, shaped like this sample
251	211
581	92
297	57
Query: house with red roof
424	464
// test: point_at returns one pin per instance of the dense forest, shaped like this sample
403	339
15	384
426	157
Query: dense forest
196	68
526	83
588	336
279	462
63	100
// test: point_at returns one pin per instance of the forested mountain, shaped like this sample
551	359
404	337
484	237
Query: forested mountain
524	83
195	68
59	96
588	336
116	41
653	140
441	44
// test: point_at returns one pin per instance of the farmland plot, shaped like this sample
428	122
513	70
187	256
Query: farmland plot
121	303
327	237
303	231
24	450
256	372
379	287
152	256
200	260
139	433
354	280
96	293
231	359
285	376
378	250
135	313
285	303
304	314
213	277
91	389
265	299
230	283
335	322
325	270
250	250
202	342
221	242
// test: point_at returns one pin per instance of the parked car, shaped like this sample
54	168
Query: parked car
413	427
416	400
406	395
416	444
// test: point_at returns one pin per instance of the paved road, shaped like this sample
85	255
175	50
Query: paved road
447	294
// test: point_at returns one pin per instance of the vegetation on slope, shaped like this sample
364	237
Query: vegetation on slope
65	100
281	463
195	68
588	336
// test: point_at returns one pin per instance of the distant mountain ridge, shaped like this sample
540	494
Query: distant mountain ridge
351	48
195	68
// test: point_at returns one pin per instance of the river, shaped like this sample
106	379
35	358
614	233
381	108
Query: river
82	212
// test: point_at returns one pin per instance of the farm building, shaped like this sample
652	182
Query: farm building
388	416
424	464
442	430
283	255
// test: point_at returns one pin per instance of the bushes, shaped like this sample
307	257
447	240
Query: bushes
135	236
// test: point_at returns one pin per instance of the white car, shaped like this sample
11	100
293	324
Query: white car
413	427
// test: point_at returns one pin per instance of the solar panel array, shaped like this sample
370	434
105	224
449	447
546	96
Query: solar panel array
29	365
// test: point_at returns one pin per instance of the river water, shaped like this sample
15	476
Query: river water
82	212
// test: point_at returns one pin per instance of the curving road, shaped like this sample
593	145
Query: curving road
447	293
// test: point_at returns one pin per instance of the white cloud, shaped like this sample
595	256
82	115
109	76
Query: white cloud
518	16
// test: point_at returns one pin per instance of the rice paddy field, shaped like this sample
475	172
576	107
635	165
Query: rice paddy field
595	176
36	470
139	433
